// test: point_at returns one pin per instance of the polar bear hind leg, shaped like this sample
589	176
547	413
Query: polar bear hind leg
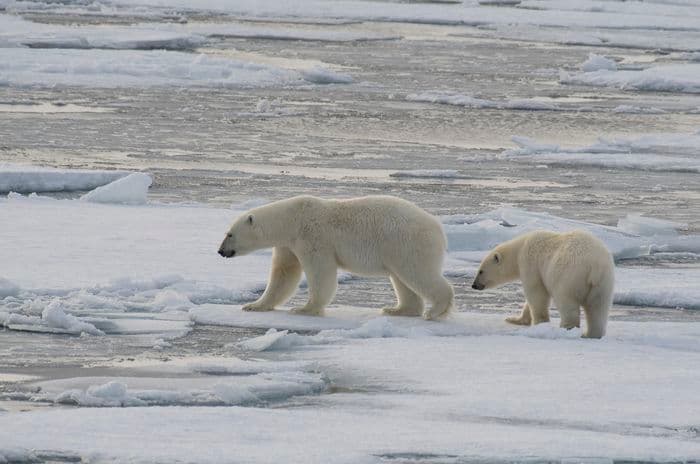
409	302
442	297
569	312
431	286
596	309
285	274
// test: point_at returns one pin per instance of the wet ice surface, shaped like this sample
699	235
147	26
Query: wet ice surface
442	116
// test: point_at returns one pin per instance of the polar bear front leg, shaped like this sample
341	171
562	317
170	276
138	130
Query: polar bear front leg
285	274
525	317
538	300
322	276
409	302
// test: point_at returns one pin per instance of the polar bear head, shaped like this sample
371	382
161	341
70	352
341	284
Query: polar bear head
489	274
498	267
244	236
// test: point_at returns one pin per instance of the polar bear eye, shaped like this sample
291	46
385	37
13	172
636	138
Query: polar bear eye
481	272
229	235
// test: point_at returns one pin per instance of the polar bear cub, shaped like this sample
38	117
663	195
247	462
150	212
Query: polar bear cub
372	236
573	268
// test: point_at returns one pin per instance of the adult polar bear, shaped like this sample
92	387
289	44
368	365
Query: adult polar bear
373	235
573	268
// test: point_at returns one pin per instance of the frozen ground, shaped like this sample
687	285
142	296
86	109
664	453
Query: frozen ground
146	126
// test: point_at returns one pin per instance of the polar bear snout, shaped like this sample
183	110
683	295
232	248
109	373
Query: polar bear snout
227	253
478	285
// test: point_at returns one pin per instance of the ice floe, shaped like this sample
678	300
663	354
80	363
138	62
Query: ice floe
131	190
17	32
598	62
255	389
27	179
320	75
663	78
526	104
438	173
53	319
658	152
468	13
137	68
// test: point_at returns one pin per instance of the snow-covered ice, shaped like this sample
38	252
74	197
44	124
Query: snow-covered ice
139	271
481	390
371	362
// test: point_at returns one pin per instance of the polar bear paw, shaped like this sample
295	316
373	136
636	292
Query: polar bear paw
399	311
518	320
306	311
255	306
433	314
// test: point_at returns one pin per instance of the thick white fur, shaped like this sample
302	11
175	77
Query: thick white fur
573	268
372	236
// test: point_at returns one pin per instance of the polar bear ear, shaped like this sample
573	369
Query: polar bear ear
250	219
497	257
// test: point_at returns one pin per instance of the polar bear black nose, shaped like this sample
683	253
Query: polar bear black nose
226	254
477	286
